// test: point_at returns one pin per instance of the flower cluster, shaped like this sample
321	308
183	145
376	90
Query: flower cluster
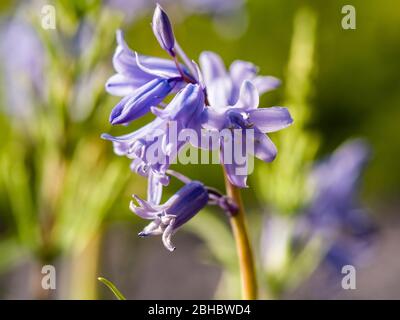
206	98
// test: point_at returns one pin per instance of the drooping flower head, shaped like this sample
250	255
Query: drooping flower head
334	225
167	218
336	183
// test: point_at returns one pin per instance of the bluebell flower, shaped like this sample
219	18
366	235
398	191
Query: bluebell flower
171	215
233	99
167	218
335	212
223	87
179	209
184	111
245	116
212	99
143	81
135	146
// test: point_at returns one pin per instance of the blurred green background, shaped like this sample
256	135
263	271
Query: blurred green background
74	182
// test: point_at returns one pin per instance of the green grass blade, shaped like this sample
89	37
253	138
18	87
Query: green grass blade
112	287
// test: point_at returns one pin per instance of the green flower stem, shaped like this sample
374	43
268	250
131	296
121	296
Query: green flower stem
243	247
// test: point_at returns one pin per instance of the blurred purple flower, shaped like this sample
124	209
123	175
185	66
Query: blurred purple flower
134	8
336	182
221	7
130	8
22	65
335	212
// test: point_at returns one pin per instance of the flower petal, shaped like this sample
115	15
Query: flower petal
242	70
212	119
187	202
212	67
270	119
145	210
157	67
139	103
239	72
120	85
266	83
139	67
124	61
239	181
167	234
219	92
154	228
122	144
188	103
248	97
154	189
198	75
237	175
264	148
159	112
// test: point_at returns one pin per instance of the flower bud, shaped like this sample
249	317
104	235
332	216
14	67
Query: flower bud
163	31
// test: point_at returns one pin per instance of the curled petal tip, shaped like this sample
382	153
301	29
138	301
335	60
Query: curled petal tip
119	35
132	206
137	199
158	112
105	136
170	247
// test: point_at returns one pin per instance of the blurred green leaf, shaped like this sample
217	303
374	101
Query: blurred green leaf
11	253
